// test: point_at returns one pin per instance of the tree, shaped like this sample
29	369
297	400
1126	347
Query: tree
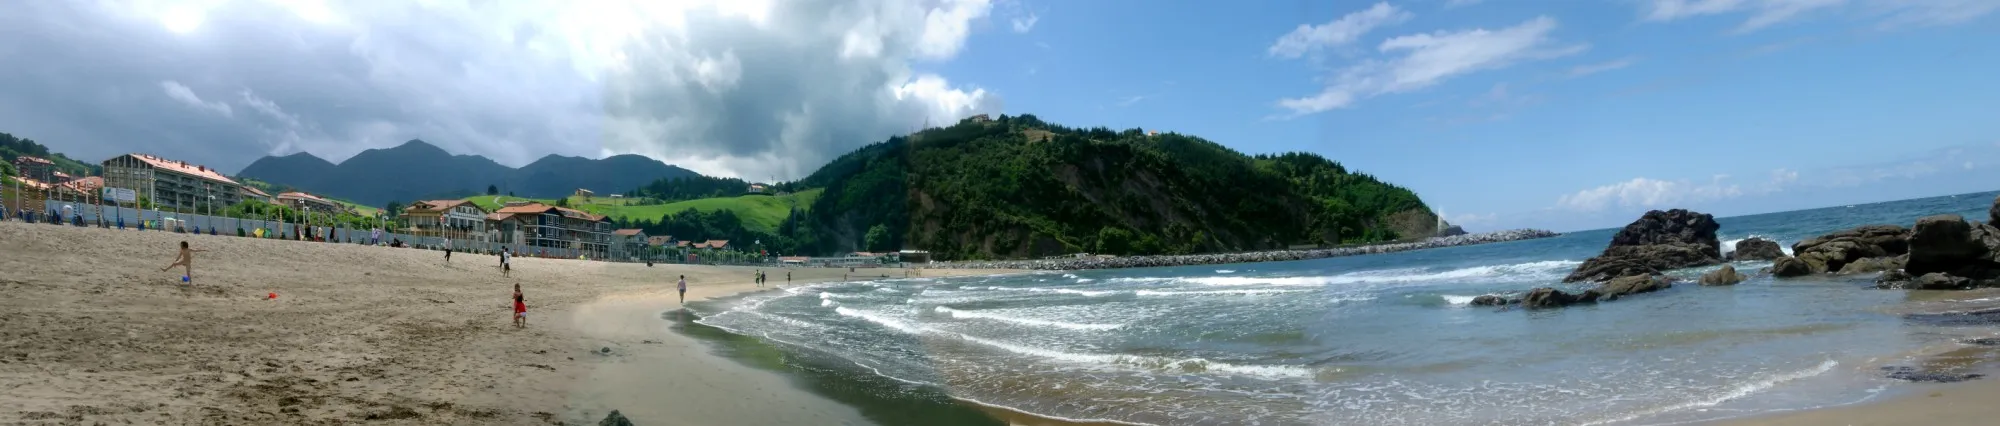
1113	240
395	208
877	239
492	190
562	202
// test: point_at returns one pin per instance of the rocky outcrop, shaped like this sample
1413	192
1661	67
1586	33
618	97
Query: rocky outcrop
1874	264
1831	252
1094	262
1491	300
1658	241
1949	244
615	419
1993	214
1725	276
1757	249
1547	297
1790	267
1451	231
1930	281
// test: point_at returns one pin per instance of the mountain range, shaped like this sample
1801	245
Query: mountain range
417	170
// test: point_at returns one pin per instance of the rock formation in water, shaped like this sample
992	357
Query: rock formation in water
1947	252
1725	276
615	419
1657	242
1831	252
1549	297
1757	249
1789	266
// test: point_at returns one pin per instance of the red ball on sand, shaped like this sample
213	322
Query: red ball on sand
272	296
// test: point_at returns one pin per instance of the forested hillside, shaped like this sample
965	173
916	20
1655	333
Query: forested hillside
1017	187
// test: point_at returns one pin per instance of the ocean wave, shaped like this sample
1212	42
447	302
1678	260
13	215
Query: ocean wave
1151	363
1457	299
827	302
1225	271
955	313
1738	391
1086	293
1243	292
842	296
1528	270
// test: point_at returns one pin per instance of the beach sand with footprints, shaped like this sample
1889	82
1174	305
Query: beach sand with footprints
91	331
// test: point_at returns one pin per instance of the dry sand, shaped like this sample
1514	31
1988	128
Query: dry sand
91	331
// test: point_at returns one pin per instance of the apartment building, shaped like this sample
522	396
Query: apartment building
455	219
542	225
307	202
172	184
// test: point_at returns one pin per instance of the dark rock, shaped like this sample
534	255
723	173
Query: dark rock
1915	375
1983	341
1757	249
1790	267
1725	276
1894	278
1489	300
1546	297
1943	243
604	350
1451	231
615	419
1830	252
1873	264
1621	286
1658	241
1940	281
1994	212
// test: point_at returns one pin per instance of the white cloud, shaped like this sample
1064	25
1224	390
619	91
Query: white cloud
1428	59
1338	32
182	93
1026	23
1129	100
1588	69
748	88
1648	193
1782	176
1765	13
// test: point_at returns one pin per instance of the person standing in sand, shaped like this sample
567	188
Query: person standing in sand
185	260
520	308
447	250
505	268
684	289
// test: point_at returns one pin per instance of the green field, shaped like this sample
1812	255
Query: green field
761	212
359	209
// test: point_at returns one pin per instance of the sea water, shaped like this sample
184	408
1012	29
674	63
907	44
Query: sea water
1379	339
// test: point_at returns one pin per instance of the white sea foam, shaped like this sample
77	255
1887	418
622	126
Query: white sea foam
827	302
1184	365
1529	270
1225	271
1457	299
1087	293
955	313
880	319
1245	292
1739	391
1729	246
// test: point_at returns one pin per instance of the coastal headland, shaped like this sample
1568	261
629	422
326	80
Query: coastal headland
92	331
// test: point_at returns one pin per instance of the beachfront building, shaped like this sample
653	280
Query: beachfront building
628	243
307	202
254	194
37	168
459	220
171	184
660	241
80	190
537	225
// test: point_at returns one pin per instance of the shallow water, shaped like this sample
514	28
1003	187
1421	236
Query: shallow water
1380	339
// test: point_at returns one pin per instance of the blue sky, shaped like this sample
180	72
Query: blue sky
1562	115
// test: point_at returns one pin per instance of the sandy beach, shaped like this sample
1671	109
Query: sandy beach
91	331
1968	403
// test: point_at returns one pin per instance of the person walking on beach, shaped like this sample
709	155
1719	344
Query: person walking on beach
684	289
505	268
788	277
447	250
185	260
520	308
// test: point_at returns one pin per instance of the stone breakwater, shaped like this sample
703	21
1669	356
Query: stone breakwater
1246	257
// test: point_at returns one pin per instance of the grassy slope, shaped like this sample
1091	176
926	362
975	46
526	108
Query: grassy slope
761	212
358	209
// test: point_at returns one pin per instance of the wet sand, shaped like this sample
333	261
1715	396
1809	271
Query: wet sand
1969	403
91	331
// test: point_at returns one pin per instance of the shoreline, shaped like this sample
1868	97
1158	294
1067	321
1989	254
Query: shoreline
1151	261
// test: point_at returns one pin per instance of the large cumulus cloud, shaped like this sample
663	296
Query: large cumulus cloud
742	88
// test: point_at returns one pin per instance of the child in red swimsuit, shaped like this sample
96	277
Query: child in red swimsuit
520	308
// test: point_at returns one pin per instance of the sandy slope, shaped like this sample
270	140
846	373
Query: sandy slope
91	331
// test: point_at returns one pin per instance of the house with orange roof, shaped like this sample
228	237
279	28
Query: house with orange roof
37	168
459	220
172	184
310	203
541	225
78	189
252	193
628	243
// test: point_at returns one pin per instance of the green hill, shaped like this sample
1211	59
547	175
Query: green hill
761	213
1015	187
